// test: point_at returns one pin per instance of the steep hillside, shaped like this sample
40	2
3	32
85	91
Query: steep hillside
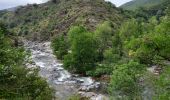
56	16
134	4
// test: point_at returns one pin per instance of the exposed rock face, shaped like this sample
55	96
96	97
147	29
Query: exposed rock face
64	83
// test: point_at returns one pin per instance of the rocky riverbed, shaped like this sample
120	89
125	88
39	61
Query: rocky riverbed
64	83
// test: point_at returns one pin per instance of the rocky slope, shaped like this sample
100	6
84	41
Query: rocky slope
40	22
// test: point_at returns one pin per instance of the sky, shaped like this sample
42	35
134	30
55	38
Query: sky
118	2
13	3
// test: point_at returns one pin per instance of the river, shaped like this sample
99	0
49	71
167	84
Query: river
64	83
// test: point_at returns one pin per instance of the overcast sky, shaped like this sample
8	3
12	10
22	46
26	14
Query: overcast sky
13	3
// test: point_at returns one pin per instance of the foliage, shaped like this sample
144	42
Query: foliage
122	52
16	81
125	80
60	46
83	50
162	85
133	5
105	69
154	43
145	43
43	21
130	29
103	35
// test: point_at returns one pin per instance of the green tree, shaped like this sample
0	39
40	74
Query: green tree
83	49
17	81
125	81
130	29
103	35
60	46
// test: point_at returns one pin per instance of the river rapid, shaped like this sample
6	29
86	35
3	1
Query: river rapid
64	83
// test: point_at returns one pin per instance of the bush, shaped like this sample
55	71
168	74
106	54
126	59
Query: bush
101	70
103	36
162	85
60	46
125	80
110	57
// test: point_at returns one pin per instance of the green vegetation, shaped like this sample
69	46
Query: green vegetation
147	10
146	43
87	49
16	81
83	50
41	22
135	4
125	79
99	40
60	46
162	84
123	53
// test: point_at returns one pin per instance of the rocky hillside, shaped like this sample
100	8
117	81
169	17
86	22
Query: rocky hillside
134	4
40	22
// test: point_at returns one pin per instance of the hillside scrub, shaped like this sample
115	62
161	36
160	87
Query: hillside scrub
43	21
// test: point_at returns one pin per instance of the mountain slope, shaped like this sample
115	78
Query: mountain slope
134	4
56	17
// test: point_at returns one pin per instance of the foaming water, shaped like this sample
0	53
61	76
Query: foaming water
60	79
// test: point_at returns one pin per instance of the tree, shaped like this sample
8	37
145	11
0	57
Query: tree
103	35
60	46
130	29
83	49
17	81
125	81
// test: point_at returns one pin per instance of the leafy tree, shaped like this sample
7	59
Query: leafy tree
74	32
16	81
125	81
83	49
60	46
103	34
114	52
130	29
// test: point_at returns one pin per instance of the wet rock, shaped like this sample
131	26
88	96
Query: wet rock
99	97
55	76
87	94
61	80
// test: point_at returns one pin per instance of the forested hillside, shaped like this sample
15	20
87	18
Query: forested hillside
135	4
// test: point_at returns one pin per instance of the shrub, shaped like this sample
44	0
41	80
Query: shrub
60	46
125	80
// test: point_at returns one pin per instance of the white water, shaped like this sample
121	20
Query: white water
61	80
